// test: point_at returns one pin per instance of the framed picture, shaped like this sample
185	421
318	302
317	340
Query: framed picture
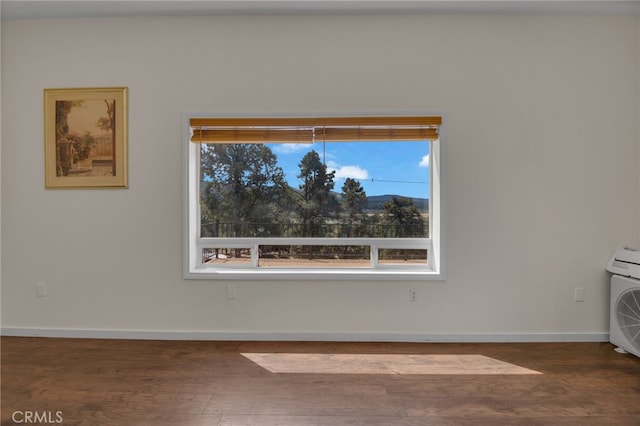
85	137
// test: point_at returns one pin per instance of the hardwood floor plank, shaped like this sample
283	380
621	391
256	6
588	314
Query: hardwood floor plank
244	420
305	404
330	420
285	385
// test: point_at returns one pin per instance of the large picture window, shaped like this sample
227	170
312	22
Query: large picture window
322	197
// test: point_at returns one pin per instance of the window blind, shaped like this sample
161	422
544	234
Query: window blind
309	130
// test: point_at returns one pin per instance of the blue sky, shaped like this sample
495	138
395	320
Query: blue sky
399	168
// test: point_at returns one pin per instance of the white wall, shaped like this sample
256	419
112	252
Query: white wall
542	139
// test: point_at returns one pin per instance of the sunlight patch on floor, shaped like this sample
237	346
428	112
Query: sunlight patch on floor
402	364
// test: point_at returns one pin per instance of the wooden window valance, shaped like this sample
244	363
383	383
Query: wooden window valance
309	130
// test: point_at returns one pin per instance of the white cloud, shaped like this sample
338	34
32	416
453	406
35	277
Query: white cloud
424	162
289	148
353	172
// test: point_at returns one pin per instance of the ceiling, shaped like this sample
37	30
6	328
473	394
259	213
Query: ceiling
33	9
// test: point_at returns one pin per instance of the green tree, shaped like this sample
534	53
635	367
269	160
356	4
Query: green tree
403	218
243	185
316	199
354	201
354	198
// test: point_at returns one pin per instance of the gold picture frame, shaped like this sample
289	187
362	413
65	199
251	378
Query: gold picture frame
85	137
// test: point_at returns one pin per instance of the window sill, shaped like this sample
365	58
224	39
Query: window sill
315	275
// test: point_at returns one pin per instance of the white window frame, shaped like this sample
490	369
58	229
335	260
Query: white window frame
434	270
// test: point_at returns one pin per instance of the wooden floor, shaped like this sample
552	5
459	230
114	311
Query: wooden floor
128	382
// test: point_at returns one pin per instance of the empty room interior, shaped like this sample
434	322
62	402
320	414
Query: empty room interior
320	212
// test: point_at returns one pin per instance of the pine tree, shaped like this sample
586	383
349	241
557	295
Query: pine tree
316	199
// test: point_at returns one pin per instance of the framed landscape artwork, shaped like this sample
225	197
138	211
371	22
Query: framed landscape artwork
85	137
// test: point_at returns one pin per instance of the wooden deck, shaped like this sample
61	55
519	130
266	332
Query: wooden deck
134	382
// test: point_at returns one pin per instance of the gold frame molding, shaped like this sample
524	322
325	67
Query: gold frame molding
85	137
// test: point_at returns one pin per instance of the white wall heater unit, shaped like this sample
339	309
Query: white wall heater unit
624	321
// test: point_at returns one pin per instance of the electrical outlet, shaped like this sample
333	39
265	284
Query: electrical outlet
41	289
413	295
578	294
231	291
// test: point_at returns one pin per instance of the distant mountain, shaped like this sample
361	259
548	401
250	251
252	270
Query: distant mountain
376	202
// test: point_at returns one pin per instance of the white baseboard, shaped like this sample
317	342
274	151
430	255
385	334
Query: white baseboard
307	336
